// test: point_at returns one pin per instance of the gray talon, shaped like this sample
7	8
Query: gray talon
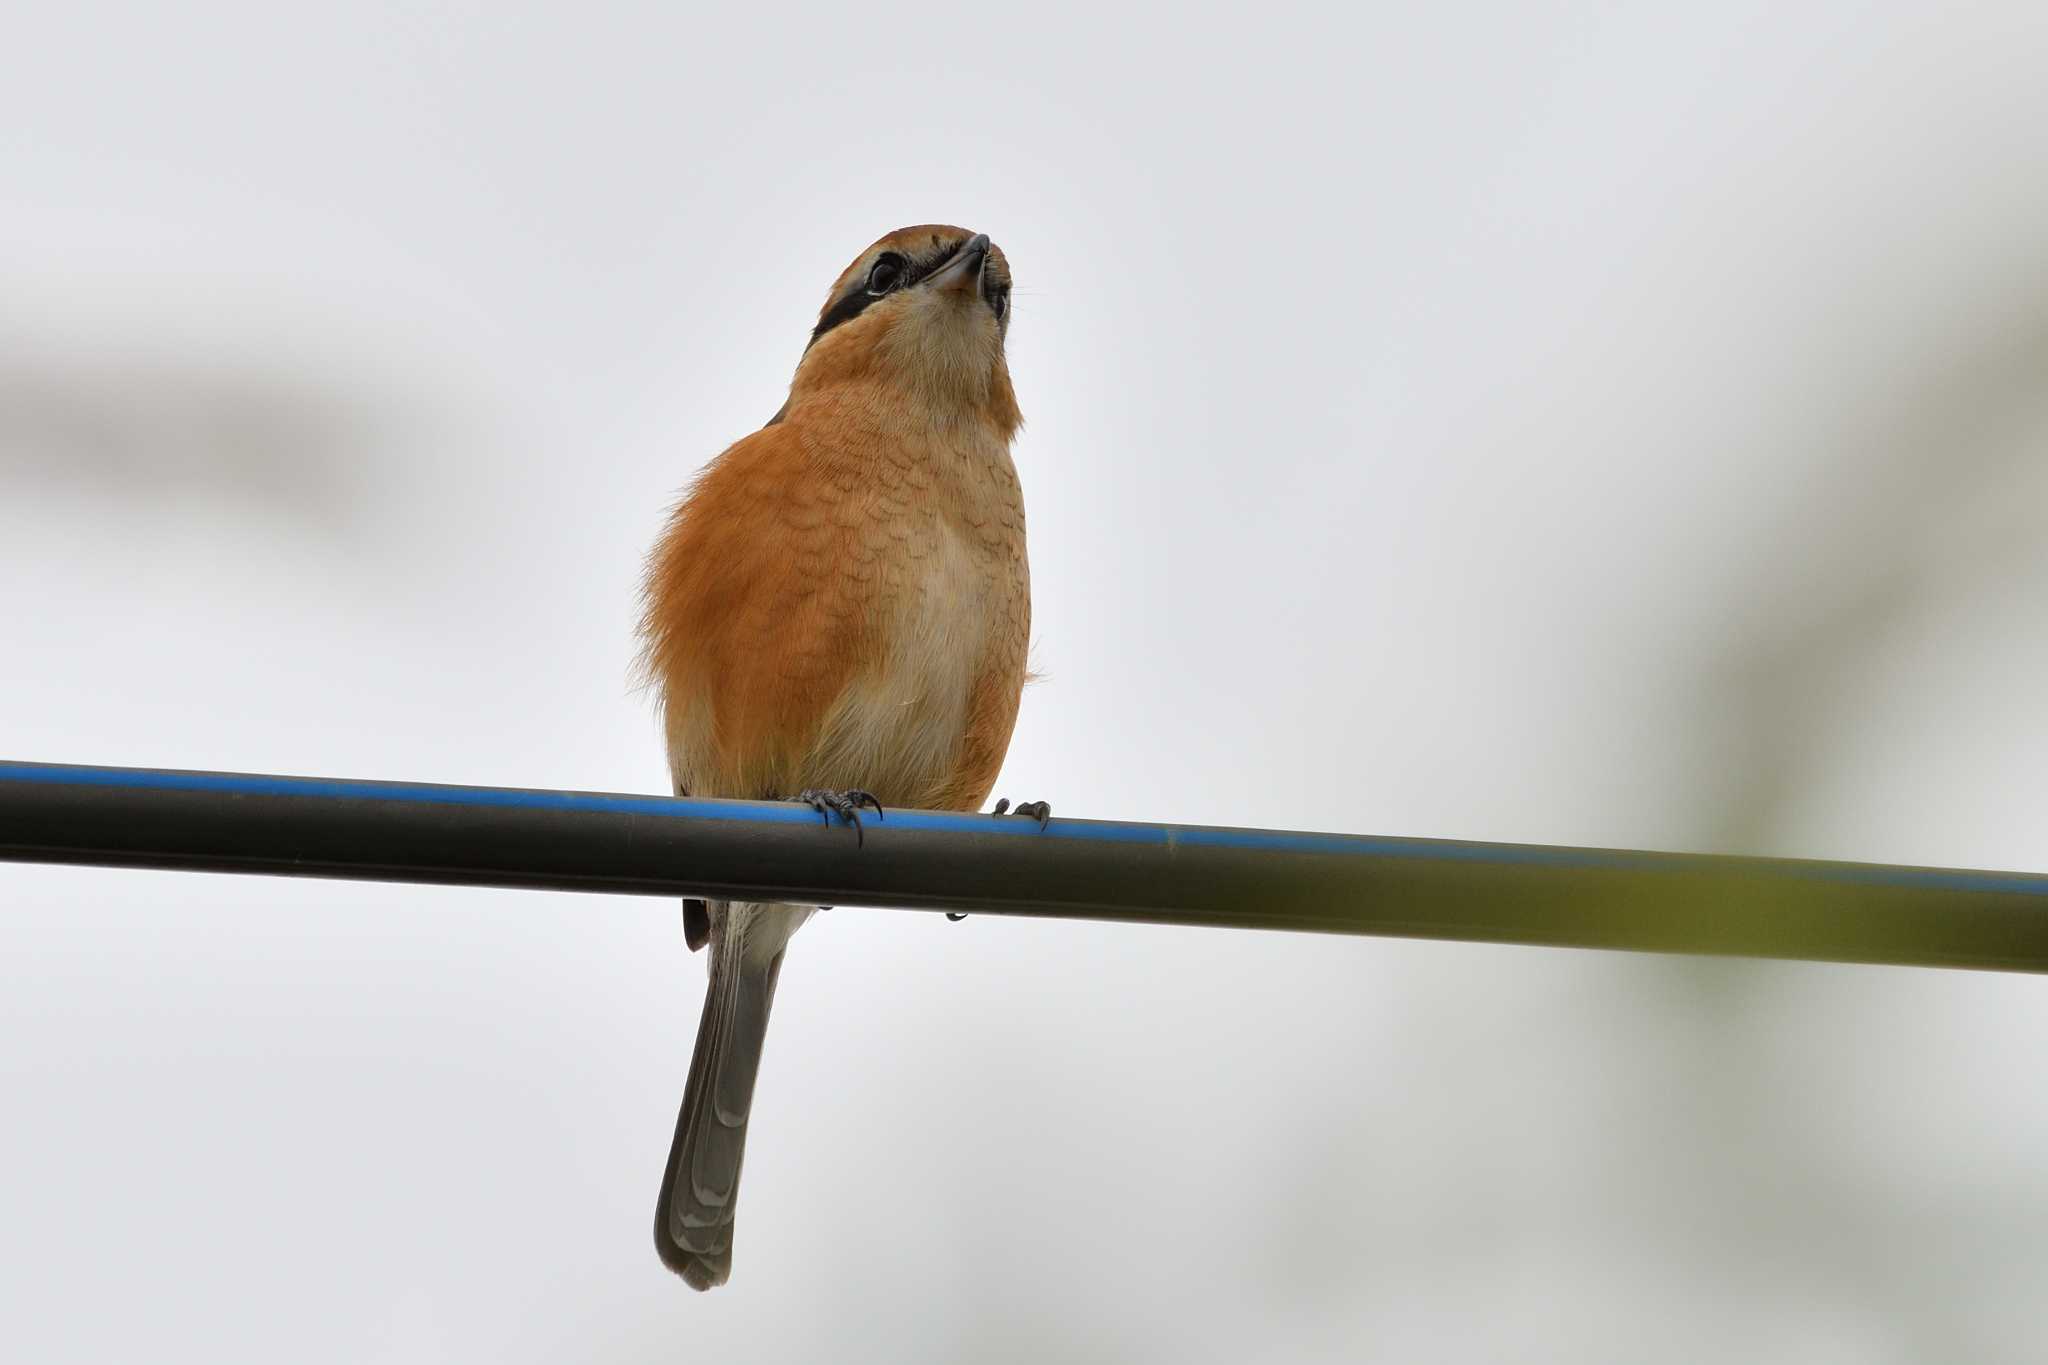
1041	811
846	805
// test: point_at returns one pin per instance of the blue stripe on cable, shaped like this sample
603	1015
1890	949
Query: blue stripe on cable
1101	831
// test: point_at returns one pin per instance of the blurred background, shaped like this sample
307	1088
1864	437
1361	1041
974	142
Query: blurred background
1576	423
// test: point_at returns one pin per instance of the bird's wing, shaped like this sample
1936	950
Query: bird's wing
762	603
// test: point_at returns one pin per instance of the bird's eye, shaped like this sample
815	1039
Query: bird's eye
886	274
1001	303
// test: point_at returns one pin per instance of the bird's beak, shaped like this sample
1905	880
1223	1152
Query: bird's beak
963	271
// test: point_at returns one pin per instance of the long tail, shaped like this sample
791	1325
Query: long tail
693	1221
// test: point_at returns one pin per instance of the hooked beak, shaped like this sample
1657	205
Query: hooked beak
963	270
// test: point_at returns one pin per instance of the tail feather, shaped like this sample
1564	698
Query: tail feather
694	1220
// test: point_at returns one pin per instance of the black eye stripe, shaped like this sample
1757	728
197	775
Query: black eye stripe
849	307
856	299
932	260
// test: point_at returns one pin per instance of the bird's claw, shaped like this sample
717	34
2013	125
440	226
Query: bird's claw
1041	811
846	805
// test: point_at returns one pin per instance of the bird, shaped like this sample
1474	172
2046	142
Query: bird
837	611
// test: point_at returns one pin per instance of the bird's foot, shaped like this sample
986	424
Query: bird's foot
1041	811
846	805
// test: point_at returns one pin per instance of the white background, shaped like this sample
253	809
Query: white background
1576	423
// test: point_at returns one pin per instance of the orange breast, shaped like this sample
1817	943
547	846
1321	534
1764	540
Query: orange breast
839	604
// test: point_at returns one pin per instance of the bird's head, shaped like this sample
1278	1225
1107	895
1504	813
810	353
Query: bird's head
923	312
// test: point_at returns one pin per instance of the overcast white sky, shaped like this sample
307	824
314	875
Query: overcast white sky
1582	423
